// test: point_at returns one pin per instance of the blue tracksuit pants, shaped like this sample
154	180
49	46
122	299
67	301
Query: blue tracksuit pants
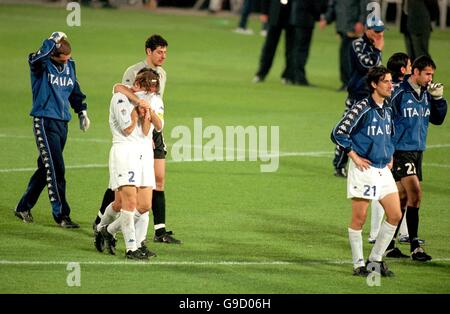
50	135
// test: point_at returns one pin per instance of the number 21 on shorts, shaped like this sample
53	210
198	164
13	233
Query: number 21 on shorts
370	190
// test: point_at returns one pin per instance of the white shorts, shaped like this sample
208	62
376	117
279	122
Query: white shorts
373	183
131	164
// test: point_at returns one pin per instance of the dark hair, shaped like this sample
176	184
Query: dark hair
64	48
146	77
154	42
422	62
396	62
375	75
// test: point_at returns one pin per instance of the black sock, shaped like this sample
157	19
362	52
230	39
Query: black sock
392	244
108	198
412	220
159	210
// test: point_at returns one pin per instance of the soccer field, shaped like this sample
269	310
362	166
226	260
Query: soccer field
243	230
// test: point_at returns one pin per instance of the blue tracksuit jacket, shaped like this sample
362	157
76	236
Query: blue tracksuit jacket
54	89
412	114
367	129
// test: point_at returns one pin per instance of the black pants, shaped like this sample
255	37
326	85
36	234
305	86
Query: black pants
302	42
344	58
270	47
417	44
50	136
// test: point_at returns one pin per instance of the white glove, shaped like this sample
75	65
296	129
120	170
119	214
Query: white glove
57	36
84	121
436	90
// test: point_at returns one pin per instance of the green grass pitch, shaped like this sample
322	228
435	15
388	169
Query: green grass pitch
244	231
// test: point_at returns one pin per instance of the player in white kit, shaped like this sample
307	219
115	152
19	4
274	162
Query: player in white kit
131	168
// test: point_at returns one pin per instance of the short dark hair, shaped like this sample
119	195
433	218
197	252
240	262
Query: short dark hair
375	75
64	48
146	77
154	42
396	62
422	62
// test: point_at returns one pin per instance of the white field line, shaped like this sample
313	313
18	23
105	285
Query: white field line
320	154
192	263
88	166
108	141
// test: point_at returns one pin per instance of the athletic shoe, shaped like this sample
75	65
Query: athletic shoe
395	253
405	240
110	241
243	31
361	271
420	255
99	241
371	240
166	238
340	172
257	79
144	250
382	268
66	222
136	255
25	216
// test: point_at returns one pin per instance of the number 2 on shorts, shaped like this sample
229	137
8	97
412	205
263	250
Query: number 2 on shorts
131	173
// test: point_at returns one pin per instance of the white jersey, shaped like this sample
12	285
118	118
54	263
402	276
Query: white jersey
156	104
131	157
131	72
120	118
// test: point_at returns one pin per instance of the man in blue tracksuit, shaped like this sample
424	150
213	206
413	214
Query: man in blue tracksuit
416	103
365	135
55	88
365	53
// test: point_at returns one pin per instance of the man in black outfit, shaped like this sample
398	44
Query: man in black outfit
416	25
296	18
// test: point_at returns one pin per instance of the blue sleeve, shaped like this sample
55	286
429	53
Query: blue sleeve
341	134
438	110
37	59
77	98
395	102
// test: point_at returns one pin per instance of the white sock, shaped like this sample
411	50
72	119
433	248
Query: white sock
356	243
403	227
127	226
115	226
383	239
108	217
141	226
159	226
377	214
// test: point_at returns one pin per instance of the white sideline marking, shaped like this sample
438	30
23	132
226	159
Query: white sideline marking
108	141
322	154
194	263
87	166
168	263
